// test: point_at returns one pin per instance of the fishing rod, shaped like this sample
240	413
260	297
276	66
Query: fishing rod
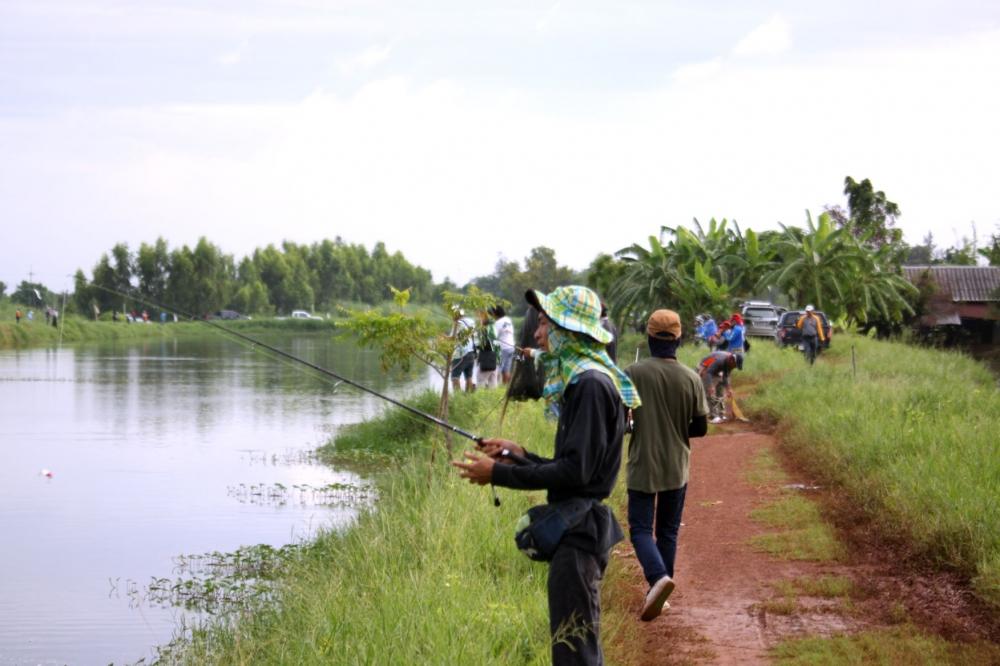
292	357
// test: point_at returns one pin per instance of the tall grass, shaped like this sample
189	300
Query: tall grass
913	436
430	575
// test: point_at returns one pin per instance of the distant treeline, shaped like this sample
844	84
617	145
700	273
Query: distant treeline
272	280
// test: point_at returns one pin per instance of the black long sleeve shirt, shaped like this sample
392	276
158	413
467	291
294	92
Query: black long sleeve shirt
588	445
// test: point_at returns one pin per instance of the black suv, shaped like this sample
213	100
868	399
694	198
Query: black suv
787	334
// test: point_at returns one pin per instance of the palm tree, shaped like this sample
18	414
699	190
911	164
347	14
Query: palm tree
683	275
646	283
815	264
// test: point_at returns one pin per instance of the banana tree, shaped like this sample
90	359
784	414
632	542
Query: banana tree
816	264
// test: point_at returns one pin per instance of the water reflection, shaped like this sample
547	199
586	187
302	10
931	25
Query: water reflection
146	443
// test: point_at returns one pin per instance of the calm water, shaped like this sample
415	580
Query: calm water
148	445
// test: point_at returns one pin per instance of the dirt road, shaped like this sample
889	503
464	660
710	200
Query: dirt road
727	609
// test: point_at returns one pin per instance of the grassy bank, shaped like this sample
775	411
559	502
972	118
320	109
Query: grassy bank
75	329
429	576
911	435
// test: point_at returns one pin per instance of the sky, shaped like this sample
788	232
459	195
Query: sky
461	132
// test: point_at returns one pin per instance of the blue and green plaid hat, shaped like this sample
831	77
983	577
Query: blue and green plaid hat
574	308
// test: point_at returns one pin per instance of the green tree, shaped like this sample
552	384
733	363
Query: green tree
833	269
991	252
200	280
751	259
279	278
647	282
403	338
152	264
921	255
604	272
871	215
690	271
32	294
817	263
251	293
543	272
962	254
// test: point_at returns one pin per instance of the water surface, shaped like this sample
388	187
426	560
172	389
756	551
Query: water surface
152	447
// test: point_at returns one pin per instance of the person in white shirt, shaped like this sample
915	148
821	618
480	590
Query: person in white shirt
504	329
463	360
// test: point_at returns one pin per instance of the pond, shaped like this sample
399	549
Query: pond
118	459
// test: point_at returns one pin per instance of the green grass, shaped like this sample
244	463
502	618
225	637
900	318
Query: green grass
765	470
911	437
789	592
73	329
889	647
430	575
823	587
803	535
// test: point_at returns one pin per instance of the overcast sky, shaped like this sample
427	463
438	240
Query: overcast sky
458	132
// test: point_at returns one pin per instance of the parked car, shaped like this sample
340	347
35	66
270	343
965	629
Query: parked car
760	318
226	314
303	314
787	334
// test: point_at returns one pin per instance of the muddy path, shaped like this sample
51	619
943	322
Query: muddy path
727	608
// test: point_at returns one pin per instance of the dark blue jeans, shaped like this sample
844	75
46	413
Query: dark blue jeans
662	509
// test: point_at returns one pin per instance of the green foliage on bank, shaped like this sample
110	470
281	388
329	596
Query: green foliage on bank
909	433
429	575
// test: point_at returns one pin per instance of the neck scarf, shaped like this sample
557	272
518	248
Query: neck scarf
571	354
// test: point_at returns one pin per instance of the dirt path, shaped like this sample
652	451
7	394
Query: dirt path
719	610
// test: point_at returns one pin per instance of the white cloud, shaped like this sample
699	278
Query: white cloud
698	72
234	57
453	176
364	61
543	23
772	38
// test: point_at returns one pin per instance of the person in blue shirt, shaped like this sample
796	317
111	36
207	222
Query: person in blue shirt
708	330
735	337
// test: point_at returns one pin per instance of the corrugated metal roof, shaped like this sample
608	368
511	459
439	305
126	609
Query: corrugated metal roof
964	283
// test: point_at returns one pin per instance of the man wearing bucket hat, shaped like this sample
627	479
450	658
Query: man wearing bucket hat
589	394
674	409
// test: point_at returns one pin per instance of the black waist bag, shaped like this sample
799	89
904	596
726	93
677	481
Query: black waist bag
540	531
487	359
